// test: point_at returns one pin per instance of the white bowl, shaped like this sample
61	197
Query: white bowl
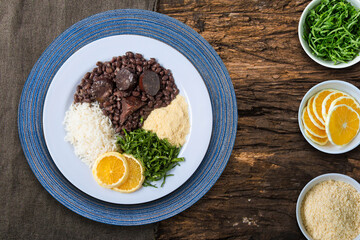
305	45
341	86
312	183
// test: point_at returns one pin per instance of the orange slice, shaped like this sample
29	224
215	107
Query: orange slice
349	101
320	141
342	124
310	126
317	104
136	176
328	100
312	116
110	169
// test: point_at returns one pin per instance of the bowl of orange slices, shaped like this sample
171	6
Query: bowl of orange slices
329	116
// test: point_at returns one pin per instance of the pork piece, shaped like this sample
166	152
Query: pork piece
129	105
149	82
101	89
125	79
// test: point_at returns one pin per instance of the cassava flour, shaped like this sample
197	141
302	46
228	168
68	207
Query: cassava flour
171	122
331	210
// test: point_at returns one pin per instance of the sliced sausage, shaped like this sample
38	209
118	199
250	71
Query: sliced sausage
125	79
149	82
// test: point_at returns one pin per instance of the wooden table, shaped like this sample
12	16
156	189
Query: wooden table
255	197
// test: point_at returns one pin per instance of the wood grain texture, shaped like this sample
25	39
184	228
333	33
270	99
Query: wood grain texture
255	198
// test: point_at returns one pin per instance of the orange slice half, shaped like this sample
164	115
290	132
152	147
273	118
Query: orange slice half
136	176
317	104
312	116
317	140
110	169
349	101
342	124
310	126
328	100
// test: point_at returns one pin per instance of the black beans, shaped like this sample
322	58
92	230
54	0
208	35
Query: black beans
109	70
125	79
139	68
176	92
130	54
87	86
135	93
127	105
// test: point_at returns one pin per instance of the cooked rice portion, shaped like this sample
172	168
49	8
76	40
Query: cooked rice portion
89	131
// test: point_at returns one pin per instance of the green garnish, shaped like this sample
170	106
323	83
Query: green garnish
332	30
157	156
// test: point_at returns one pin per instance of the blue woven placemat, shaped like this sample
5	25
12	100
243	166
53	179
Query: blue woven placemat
138	22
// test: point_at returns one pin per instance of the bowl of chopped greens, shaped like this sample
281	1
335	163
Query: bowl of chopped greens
329	32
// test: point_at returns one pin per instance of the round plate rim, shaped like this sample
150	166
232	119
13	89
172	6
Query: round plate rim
52	95
142	213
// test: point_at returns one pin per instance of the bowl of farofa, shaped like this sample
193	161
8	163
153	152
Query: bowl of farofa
328	207
327	28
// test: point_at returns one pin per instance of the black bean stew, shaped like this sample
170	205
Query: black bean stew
127	88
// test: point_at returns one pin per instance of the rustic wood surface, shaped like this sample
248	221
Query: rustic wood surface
256	195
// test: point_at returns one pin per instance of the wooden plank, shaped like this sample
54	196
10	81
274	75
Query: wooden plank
255	198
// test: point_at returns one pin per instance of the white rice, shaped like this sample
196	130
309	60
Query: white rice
89	131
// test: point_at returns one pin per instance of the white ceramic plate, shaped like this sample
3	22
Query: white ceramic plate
60	96
337	85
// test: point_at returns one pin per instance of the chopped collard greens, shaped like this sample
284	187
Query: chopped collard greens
158	156
332	30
